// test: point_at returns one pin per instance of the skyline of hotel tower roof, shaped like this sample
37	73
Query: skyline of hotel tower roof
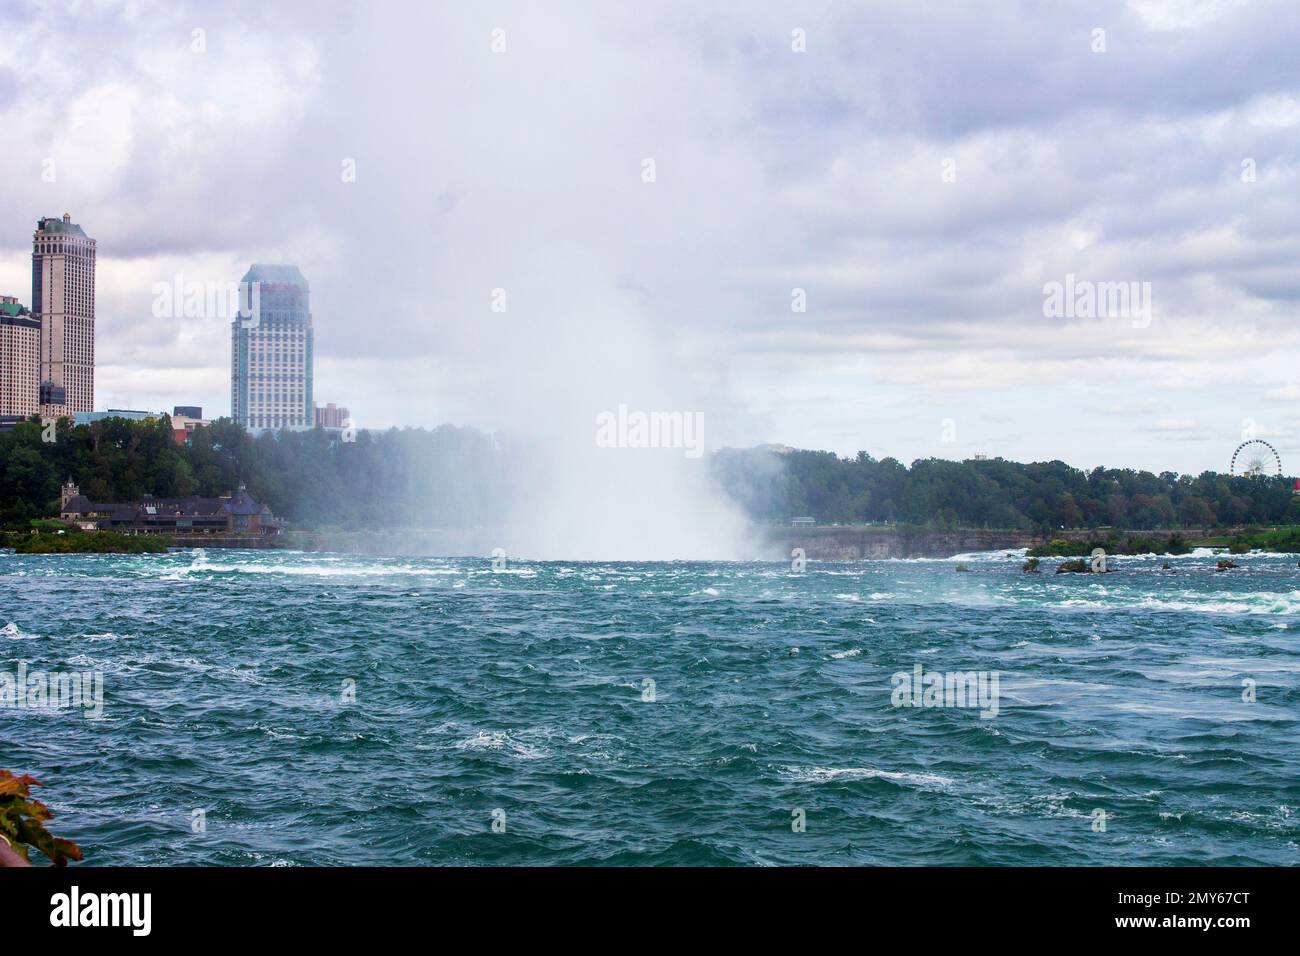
276	274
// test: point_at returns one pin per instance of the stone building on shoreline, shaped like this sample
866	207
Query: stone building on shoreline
237	514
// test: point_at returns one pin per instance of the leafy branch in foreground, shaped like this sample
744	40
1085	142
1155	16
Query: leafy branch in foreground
22	821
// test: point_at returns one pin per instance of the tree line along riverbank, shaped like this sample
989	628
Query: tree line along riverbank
461	478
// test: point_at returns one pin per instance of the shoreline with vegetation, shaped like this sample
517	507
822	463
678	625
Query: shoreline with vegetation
84	542
855	543
374	494
1128	545
50	536
1266	540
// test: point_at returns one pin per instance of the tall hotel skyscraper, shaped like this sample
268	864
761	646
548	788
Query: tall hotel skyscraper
20	361
63	301
271	350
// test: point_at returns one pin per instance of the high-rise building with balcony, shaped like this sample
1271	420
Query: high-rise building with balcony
63	301
20	335
271	350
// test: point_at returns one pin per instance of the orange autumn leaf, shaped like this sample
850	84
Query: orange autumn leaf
22	821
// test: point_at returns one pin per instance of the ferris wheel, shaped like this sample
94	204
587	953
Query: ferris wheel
1255	459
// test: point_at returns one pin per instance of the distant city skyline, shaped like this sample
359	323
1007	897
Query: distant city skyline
47	348
47	356
849	241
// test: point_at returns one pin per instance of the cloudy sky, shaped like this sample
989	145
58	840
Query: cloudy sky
655	187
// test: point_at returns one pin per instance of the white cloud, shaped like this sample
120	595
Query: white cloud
776	170
1183	14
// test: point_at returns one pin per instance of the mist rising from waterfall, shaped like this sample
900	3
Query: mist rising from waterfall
572	492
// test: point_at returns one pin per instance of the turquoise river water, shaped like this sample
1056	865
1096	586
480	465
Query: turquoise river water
281	708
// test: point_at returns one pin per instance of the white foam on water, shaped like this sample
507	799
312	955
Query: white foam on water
341	571
501	740
1209	602
1006	554
1002	554
827	774
275	734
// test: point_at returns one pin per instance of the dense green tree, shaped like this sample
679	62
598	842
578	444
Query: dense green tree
995	493
447	477
457	477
